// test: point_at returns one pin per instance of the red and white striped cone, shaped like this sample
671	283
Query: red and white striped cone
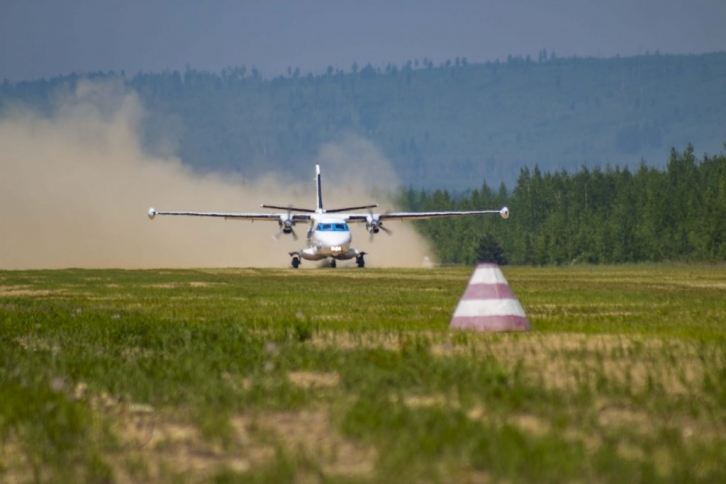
488	303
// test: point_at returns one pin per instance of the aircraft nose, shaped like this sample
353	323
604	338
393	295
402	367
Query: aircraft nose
343	239
342	242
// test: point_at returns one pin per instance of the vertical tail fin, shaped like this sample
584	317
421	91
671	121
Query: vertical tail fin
318	186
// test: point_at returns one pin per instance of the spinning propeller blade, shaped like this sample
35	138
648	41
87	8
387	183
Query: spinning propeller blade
374	224
286	225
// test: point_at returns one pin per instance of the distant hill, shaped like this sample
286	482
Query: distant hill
449	126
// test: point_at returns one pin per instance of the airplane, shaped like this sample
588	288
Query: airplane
328	233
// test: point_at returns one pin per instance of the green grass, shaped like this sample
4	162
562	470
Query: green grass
345	375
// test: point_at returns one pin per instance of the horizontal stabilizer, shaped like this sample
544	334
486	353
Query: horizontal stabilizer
289	209
362	207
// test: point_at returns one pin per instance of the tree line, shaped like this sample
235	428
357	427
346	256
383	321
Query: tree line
611	215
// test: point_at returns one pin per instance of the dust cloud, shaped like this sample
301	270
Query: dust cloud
75	186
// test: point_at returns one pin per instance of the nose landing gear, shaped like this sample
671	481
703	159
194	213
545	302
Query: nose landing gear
360	261
295	262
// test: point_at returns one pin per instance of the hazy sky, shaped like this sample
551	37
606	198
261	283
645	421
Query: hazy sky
48	38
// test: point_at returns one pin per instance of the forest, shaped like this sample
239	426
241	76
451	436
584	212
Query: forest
677	213
446	126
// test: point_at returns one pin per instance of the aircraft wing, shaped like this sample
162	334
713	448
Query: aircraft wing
272	217
504	213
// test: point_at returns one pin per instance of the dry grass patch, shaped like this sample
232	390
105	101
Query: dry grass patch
35	343
341	340
23	291
720	285
427	401
530	424
527	423
174	449
311	433
178	285
202	284
565	361
617	417
168	447
15	467
163	447
590	310
635	420
165	285
308	379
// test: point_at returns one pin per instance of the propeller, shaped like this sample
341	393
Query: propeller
286	227
374	225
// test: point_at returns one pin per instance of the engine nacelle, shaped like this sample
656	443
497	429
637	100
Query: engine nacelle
152	213
504	212
373	225
285	224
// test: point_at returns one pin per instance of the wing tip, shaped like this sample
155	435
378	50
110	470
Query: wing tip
152	213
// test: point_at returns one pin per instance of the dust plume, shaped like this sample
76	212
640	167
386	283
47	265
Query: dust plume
75	186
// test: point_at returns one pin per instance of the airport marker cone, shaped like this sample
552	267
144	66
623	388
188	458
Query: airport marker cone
488	303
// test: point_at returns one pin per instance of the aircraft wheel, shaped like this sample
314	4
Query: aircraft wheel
295	262
360	261
333	264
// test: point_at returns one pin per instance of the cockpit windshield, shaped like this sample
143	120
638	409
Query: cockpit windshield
333	227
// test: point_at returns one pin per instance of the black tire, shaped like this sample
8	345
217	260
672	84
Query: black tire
360	261
295	262
333	264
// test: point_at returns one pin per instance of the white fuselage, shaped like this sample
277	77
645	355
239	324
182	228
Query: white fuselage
328	236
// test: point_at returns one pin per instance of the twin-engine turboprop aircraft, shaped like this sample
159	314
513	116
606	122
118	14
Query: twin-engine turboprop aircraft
328	234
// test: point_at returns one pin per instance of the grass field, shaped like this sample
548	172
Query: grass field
347	375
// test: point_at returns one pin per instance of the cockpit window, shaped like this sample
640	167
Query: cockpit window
333	227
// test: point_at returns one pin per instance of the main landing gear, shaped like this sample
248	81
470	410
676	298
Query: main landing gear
359	261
